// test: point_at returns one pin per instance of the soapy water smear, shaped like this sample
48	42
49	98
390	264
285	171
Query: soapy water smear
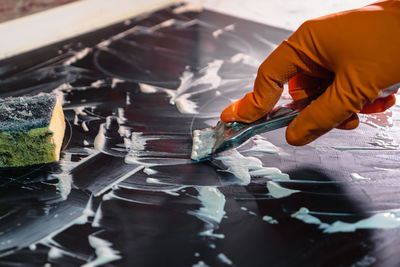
384	139
181	97
364	262
138	153
382	220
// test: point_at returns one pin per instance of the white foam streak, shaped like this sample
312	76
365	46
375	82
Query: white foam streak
222	257
243	167
213	203
277	191
384	220
263	146
149	171
246	59
186	106
356	177
200	264
116	81
104	252
179	97
97	217
78	55
59	92
269	219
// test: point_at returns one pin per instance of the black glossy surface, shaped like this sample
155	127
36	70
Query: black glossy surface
146	225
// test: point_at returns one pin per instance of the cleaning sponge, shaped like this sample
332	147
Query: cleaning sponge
31	130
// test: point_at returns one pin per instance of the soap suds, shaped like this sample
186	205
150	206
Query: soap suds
64	184
222	257
228	28
303	215
116	81
213	203
104	252
153	181
246	59
210	233
277	191
200	264
384	220
97	217
269	219
356	177
97	84
180	97
186	106
263	146
148	89
55	253
77	56
243	167
384	139
149	171
272	173
59	92
203	142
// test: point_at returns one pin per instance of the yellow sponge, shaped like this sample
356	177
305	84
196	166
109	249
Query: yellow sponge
31	130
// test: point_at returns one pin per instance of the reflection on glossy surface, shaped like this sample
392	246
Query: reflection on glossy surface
133	94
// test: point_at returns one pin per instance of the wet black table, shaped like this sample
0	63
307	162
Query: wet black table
126	192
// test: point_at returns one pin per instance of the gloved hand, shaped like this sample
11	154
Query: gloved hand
350	60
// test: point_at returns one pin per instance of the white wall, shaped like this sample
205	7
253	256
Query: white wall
40	29
288	14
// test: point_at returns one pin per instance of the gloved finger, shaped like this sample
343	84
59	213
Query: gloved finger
305	86
349	124
241	110
328	111
283	63
379	105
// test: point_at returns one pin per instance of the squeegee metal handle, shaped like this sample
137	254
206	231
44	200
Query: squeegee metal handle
274	123
237	133
278	118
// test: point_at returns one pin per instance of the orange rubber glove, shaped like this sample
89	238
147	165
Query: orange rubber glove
350	59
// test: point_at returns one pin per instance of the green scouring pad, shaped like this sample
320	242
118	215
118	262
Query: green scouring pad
31	130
